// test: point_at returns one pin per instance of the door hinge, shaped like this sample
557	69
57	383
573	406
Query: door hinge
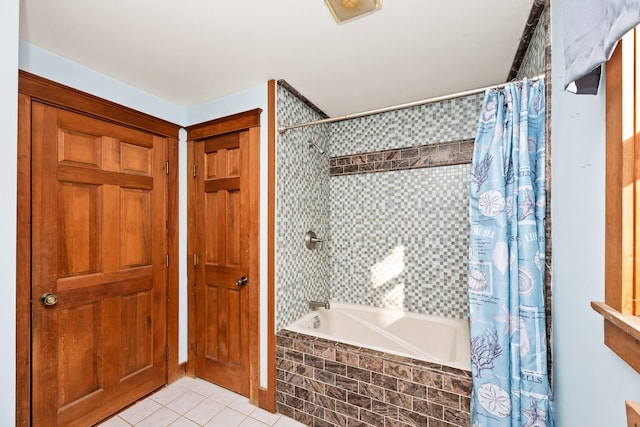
195	348
195	171
166	263
166	167
166	353
195	260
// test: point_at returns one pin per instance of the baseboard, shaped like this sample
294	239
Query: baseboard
180	372
266	400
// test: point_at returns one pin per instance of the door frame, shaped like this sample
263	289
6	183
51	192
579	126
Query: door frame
249	121
34	88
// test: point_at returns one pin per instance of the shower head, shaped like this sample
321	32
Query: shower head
316	147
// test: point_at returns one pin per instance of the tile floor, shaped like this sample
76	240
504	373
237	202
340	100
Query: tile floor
193	402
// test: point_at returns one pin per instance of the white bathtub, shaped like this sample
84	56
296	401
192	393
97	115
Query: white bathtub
430	338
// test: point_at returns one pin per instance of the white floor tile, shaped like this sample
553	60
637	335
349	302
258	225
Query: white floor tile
242	404
251	422
169	393
184	422
204	411
204	388
227	418
223	395
139	411
287	422
264	416
185	402
161	418
115	422
187	382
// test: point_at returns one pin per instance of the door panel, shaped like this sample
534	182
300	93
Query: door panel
222	317
98	244
78	242
79	349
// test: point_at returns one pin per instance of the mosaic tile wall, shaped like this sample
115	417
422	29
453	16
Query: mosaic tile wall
302	204
412	220
533	63
326	383
452	120
400	239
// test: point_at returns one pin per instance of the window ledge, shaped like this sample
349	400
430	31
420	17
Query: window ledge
621	333
628	323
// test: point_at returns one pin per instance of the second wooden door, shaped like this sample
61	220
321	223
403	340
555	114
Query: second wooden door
222	274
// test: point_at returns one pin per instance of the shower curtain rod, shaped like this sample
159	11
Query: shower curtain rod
283	129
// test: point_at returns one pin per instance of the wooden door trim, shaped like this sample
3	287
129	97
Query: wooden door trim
268	395
34	88
59	95
174	369
235	122
23	266
250	121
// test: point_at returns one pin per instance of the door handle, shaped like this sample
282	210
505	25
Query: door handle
48	299
242	281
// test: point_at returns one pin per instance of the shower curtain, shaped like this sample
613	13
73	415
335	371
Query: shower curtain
506	261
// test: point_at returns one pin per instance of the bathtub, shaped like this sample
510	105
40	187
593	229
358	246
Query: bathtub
429	338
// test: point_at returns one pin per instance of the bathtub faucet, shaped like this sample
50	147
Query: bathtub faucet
315	304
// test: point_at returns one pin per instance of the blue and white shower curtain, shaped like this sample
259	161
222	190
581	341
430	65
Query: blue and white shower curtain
506	261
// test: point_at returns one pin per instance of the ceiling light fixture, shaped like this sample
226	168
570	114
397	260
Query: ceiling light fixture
344	10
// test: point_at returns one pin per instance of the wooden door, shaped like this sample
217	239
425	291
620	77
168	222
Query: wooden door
98	245
223	216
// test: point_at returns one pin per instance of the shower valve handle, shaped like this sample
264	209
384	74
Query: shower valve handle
311	240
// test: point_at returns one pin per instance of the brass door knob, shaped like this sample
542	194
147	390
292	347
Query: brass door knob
48	299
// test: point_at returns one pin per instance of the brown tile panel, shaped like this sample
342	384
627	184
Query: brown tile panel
335	418
399	399
413	418
441	154
395	423
412	389
457	417
428	408
433	422
325	383
397	370
457	384
319	422
384	409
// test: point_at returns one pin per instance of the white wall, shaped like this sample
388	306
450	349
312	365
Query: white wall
590	382
53	67
8	167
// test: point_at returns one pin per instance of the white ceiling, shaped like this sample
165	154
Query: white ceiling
192	51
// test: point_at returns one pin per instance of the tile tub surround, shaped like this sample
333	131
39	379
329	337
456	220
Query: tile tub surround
326	383
306	199
399	240
302	204
407	212
451	120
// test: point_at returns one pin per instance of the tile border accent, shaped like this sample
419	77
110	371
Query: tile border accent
302	98
327	383
430	155
535	14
